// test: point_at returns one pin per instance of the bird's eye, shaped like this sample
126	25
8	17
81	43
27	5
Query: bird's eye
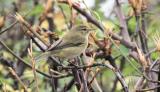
84	28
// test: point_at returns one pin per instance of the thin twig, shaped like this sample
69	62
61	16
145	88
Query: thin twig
124	30
14	23
94	76
19	58
56	72
67	87
148	89
154	70
16	76
30	52
9	27
122	64
82	67
154	63
28	26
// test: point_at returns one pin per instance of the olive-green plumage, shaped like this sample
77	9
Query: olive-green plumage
72	44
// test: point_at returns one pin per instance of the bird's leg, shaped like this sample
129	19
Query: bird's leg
53	81
72	62
75	73
84	86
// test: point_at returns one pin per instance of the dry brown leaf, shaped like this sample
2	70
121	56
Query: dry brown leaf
19	17
48	6
142	59
2	20
131	13
138	5
44	24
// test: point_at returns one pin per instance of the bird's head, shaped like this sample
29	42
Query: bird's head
83	29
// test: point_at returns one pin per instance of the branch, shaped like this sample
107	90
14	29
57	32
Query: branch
28	26
30	52
17	77
123	24
148	89
82	67
28	65
94	21
9	27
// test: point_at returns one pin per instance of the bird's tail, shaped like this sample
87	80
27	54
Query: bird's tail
43	56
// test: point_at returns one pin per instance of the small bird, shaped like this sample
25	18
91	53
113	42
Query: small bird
71	45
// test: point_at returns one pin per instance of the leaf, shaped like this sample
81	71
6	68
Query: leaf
37	10
132	24
2	20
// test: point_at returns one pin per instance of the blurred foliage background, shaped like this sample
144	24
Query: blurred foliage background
55	19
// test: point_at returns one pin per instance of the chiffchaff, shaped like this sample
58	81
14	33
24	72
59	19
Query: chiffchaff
72	44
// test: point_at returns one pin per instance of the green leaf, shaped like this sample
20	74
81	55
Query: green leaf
37	10
132	24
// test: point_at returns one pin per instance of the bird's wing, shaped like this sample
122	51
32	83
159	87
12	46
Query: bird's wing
68	41
64	44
